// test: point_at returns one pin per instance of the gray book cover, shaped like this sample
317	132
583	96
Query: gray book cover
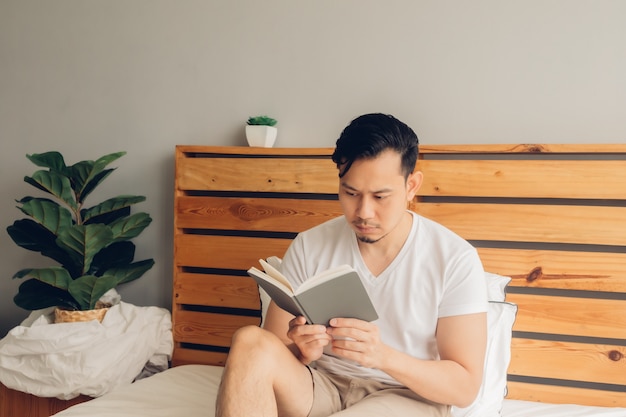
340	293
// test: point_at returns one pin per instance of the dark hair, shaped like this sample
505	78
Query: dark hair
369	135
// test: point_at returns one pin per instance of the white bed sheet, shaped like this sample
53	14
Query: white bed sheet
190	391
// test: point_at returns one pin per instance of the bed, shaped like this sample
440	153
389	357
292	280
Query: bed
549	219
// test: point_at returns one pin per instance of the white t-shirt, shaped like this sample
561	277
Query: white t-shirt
435	274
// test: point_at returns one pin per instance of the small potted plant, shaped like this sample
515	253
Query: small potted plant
260	131
91	245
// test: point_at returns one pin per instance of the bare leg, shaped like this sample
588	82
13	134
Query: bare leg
263	378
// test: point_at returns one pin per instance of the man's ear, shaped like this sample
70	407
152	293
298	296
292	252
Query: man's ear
413	183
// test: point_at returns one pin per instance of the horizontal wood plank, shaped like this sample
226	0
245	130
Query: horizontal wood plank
531	223
228	252
203	151
427	149
570	316
549	359
185	356
208	328
15	403
272	214
565	395
526	148
257	175
591	271
216	290
524	179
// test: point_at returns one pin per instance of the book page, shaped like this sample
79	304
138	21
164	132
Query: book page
324	276
275	273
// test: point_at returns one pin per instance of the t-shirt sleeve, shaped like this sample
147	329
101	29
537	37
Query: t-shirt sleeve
465	288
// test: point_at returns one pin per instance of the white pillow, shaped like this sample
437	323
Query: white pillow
500	318
496	286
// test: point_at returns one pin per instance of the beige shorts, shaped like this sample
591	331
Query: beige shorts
359	397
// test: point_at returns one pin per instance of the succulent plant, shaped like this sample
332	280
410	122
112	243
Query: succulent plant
261	121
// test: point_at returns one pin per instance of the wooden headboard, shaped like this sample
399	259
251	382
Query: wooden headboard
552	217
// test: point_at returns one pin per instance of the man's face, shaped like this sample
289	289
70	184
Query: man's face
374	195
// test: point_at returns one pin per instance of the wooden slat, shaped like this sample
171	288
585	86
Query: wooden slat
526	148
565	395
20	404
531	223
524	179
592	271
184	356
273	214
182	150
208	328
548	359
262	175
229	252
216	290
570	316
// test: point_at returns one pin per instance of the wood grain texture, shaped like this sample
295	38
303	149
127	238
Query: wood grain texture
598	363
217	291
209	328
524	179
531	223
570	270
240	213
564	395
184	356
525	148
20	404
570	316
228	252
258	175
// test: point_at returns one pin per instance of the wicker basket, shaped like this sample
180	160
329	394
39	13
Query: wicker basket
70	316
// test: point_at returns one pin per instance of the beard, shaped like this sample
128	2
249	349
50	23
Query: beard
366	239
370	240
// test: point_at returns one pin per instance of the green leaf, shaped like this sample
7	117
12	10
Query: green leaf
86	175
91	185
34	295
53	160
130	272
116	255
85	241
88	289
53	183
130	227
48	213
112	205
55	276
30	235
108	218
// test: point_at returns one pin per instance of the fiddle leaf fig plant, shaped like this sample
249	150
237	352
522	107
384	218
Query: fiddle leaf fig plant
91	245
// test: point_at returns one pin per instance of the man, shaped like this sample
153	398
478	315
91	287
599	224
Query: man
426	350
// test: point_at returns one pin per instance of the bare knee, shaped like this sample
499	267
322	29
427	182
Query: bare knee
254	344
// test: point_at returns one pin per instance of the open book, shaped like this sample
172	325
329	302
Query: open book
336	292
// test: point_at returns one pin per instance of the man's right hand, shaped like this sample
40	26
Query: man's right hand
310	339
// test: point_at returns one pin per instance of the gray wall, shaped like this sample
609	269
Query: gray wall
90	77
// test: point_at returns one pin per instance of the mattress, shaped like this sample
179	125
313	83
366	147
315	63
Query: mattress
190	391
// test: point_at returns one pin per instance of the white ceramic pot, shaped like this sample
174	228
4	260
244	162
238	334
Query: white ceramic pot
261	136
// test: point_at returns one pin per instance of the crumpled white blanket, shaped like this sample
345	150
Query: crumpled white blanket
65	360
